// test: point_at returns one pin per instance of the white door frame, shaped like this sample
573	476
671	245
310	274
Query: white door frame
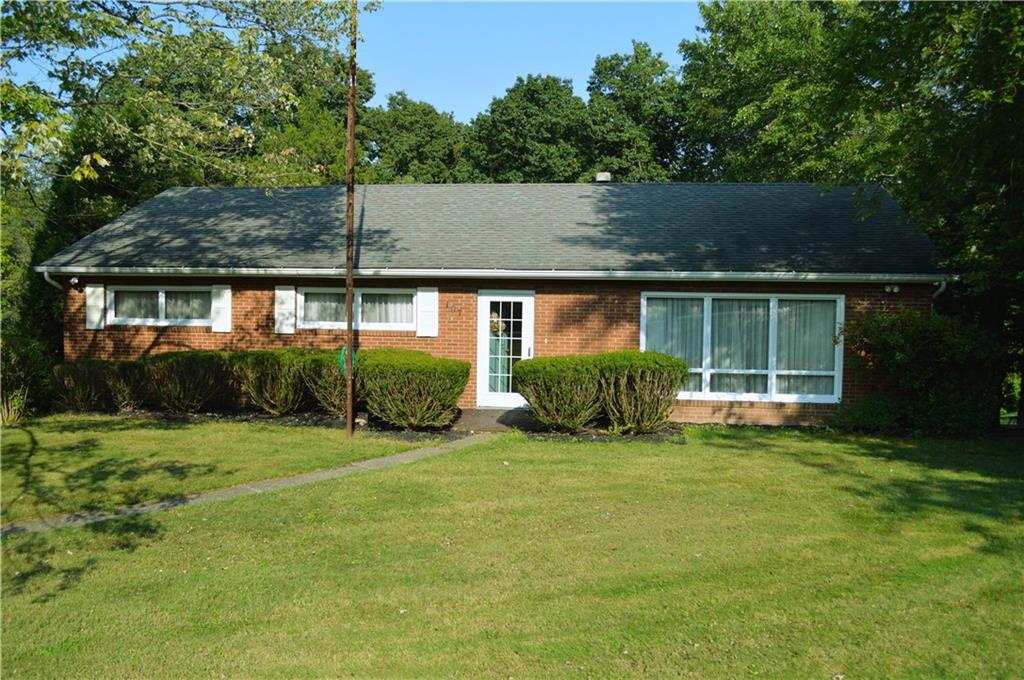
484	397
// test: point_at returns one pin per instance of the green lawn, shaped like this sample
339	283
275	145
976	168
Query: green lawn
744	552
69	463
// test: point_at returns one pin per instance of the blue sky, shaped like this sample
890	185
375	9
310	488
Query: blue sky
460	55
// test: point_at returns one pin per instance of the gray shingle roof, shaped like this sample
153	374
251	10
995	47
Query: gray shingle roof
628	227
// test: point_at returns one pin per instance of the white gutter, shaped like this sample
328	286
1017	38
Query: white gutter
572	274
46	277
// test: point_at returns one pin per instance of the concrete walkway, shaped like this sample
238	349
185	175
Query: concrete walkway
30	526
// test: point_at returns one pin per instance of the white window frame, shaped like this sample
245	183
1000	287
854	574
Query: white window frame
357	309
161	319
706	371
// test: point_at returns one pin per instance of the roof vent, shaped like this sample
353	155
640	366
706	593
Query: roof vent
603	177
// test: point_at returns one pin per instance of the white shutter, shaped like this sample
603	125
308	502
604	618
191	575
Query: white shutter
94	306
427	302
284	309
220	308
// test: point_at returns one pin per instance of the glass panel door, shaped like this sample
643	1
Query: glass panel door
505	338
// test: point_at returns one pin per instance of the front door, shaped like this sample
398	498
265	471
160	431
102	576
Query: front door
504	336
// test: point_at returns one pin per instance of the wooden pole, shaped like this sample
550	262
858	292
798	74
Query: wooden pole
350	210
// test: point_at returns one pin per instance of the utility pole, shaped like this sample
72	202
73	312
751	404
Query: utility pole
350	210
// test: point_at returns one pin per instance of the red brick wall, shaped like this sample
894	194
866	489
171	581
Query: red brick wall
571	317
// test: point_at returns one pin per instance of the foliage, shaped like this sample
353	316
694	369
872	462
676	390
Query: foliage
411	389
272	380
635	118
414	142
13	405
638	389
185	382
941	376
564	393
325	380
82	384
126	385
77	45
872	413
1011	392
537	132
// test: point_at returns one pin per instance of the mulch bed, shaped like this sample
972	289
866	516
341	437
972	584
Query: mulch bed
672	433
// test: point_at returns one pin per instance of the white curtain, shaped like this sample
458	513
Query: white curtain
323	307
675	326
739	334
807	335
739	340
136	304
804	384
387	308
181	304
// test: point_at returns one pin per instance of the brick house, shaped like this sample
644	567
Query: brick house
749	283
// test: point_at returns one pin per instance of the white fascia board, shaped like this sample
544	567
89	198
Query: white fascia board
571	274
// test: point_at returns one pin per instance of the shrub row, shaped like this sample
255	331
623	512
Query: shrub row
932	375
634	390
400	387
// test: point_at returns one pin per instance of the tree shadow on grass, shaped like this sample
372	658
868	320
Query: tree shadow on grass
72	478
106	423
980	482
44	565
76	479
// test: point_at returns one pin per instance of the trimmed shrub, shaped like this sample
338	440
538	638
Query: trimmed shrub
272	380
126	384
185	382
638	389
870	414
411	389
82	384
325	381
564	392
941	375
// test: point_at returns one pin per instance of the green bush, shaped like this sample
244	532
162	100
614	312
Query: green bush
82	384
325	381
410	389
638	389
126	384
272	380
13	405
870	414
940	375
185	382
564	393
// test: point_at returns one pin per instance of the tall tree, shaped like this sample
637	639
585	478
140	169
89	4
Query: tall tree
537	132
635	118
411	141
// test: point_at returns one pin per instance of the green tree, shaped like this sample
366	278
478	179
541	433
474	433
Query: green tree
411	141
537	132
635	118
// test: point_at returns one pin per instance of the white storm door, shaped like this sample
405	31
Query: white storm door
504	336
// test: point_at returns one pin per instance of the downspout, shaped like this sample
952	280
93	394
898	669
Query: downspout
941	289
46	277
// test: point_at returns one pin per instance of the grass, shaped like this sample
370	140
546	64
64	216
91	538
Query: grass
69	463
745	552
